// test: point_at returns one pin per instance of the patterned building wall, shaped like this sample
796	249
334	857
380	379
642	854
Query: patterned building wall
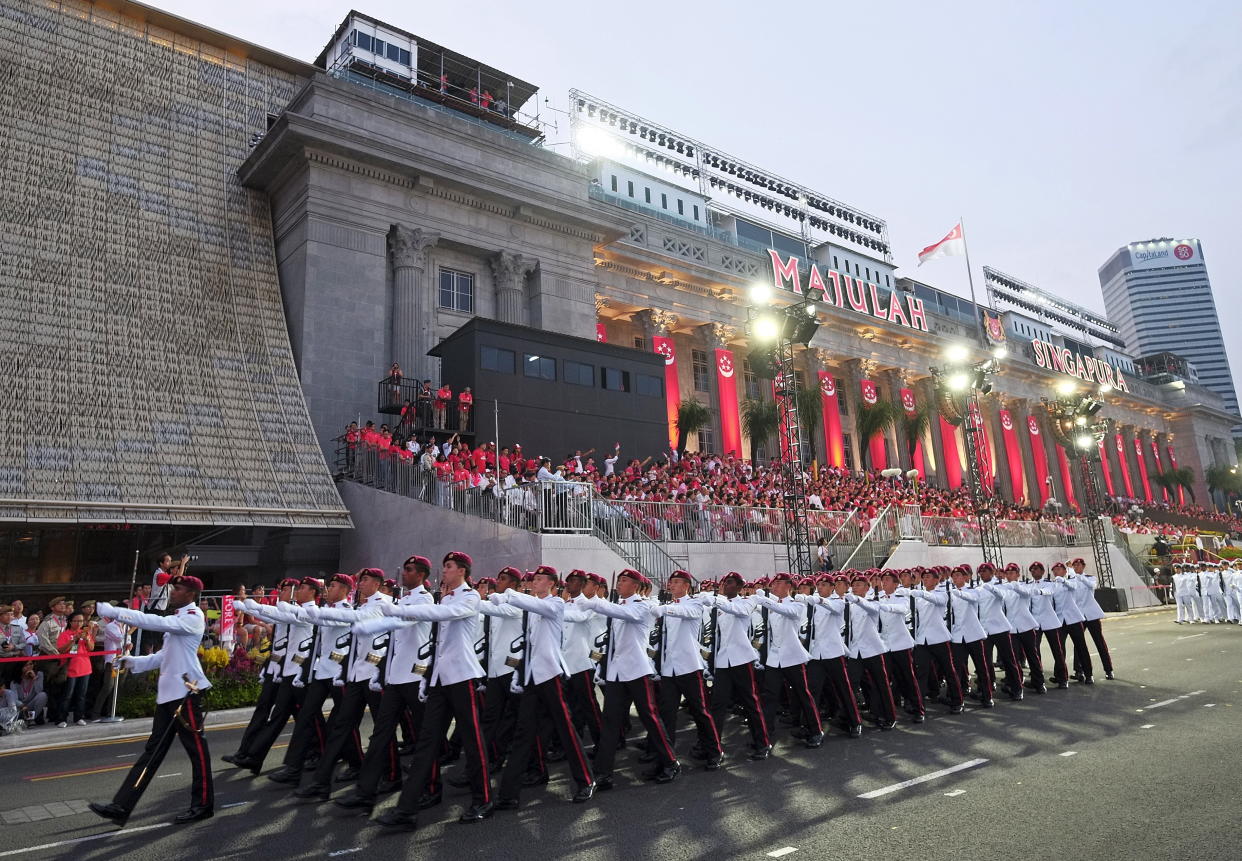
144	354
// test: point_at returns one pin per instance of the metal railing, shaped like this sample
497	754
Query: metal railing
877	544
963	531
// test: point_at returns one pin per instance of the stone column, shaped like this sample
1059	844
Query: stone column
510	271
412	306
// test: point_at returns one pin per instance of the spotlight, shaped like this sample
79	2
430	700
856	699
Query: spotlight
1081	421
767	328
956	353
597	142
1066	387
1085	441
1105	388
760	294
1000	351
810	309
815	295
959	382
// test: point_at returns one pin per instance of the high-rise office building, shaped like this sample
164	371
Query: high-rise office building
1158	294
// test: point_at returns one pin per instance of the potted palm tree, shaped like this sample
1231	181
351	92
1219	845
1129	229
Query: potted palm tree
873	419
914	426
760	421
692	417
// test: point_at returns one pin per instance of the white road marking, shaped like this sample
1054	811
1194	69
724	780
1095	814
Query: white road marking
349	851
782	852
1171	701
174	774
876	793
233	804
1209	705
1147	726
955	793
1070	753
125	831
1190	636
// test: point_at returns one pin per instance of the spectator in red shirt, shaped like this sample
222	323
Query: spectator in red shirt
443	395
465	401
76	642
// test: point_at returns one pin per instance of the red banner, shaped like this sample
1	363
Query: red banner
984	447
228	618
1120	445
1067	479
601	333
1013	454
834	441
1041	459
730	419
875	445
1181	492
909	404
1104	467
1142	463
780	421
950	459
1155	454
672	391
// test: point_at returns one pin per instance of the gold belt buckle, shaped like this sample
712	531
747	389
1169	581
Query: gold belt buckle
755	642
421	669
374	658
597	656
651	653
299	659
513	662
337	656
705	654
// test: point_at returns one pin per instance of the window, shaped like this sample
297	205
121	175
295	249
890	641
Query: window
629	187
378	46
749	381
394	53
614	380
640	343
835	264
696	212
578	374
843	403
681	206
404	58
849	451
868	270
614	182
362	40
702	376
645	384
647	195
887	283
664	200
539	367
707	440
498	360
457	291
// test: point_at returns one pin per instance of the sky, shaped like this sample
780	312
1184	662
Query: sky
1058	131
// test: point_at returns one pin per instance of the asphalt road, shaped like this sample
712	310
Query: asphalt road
1142	767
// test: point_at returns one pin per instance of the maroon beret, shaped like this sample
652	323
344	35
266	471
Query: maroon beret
189	581
679	574
509	571
375	573
780	577
288	581
548	571
462	559
421	561
342	578
314	582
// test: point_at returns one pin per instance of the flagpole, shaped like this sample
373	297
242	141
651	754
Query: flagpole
971	279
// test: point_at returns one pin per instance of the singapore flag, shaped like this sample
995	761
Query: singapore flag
952	245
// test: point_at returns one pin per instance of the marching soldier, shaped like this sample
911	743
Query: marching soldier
1025	630
270	674
785	658
1066	604
827	670
579	645
896	600
933	640
732	663
1043	608
501	629
969	635
179	707
1084	595
991	609
866	651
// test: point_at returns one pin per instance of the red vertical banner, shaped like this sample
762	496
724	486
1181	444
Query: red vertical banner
949	456
228	620
910	406
779	400
1142	464
601	333
875	445
1041	459
834	440
672	390
1067	479
1105	468
1155	454
730	418
1120	445
1181	492
983	446
1013	454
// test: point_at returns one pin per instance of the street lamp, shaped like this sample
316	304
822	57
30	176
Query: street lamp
1072	418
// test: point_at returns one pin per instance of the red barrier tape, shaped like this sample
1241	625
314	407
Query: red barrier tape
63	657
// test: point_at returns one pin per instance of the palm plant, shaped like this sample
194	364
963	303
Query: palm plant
1224	480
692	417
873	419
915	425
1172	479
760	420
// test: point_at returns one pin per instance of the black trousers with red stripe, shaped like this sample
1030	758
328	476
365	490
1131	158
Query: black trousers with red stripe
618	696
583	703
546	698
738	684
457	702
1056	644
287	703
309	730
832	676
1028	642
1001	645
901	666
984	678
499	715
342	741
875	671
381	761
167	725
262	711
1077	632
1096	630
692	687
941	656
774	681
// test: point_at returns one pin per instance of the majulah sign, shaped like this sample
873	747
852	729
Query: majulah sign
845	291
1077	365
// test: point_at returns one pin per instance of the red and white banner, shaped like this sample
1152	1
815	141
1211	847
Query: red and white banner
950	458
875	445
730	418
1155	453
1105	468
1041	459
1067	479
1142	464
834	440
910	406
228	619
1181	492
601	333
1013	455
984	447
953	245
672	391
1120	445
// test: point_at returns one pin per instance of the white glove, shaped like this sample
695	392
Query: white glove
127	660
105	610
338	683
386	608
496	598
250	604
298	683
760	593
375	686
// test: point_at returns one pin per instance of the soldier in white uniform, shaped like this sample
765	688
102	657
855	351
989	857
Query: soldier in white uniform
1043	608
999	640
932	638
1066	603
969	636
1213	595
1233	592
827	670
579	645
1024	628
178	698
896	600
270	675
1184	586
500	628
732	662
1092	614
785	659
866	651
